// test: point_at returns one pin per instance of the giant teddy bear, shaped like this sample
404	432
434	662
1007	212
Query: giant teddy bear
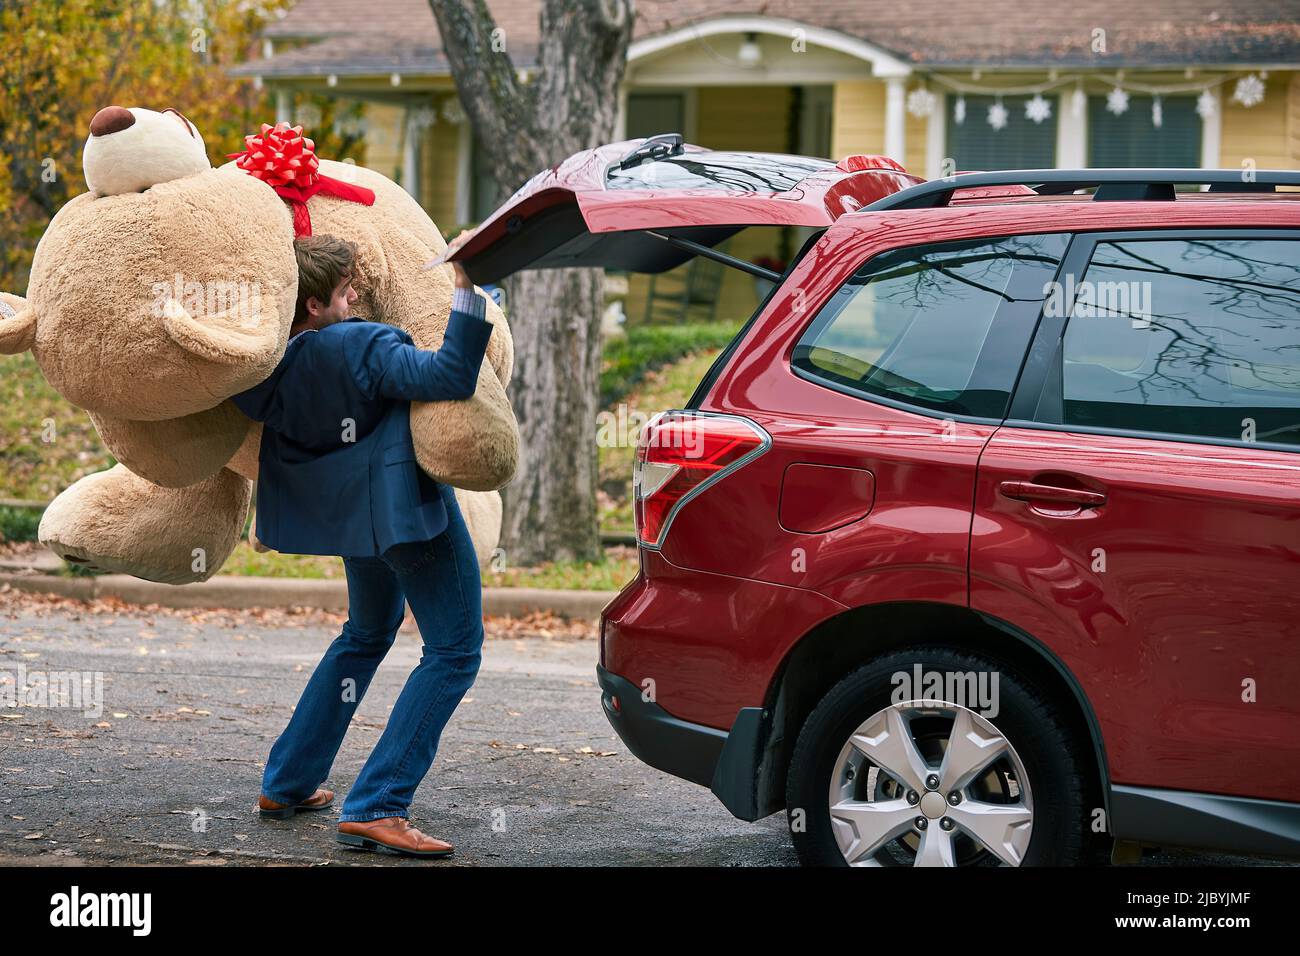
169	287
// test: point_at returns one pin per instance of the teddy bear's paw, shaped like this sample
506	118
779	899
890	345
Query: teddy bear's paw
471	444
17	324
253	540
116	521
501	346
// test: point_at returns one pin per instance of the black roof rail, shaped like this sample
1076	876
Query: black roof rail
1111	184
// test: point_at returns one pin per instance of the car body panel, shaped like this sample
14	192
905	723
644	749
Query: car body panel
1163	601
721	625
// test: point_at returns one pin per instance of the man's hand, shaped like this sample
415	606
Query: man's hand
458	271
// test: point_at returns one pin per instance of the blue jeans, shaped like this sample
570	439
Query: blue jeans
440	580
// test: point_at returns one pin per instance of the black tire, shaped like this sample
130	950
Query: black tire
1053	760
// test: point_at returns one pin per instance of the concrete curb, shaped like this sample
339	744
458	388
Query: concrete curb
233	591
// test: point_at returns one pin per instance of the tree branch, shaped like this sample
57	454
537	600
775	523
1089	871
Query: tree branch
500	108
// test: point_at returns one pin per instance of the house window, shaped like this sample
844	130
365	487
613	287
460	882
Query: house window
1021	144
649	114
1133	139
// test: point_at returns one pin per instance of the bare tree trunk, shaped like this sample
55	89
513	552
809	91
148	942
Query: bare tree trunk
551	504
570	105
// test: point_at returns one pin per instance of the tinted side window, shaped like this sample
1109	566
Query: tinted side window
942	327
1187	336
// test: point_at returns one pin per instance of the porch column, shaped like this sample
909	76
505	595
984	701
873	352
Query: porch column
1212	134
895	119
410	155
1071	134
283	106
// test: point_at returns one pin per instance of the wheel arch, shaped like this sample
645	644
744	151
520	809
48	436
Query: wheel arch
831	650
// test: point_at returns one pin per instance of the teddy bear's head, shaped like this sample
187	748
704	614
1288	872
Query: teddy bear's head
167	288
130	150
163	303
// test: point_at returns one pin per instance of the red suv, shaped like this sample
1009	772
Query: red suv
980	543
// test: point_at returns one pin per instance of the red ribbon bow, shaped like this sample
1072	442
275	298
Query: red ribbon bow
286	161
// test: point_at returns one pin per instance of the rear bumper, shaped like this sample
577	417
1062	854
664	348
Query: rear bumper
656	737
728	763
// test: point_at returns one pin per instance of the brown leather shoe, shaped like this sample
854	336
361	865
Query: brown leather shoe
282	811
392	833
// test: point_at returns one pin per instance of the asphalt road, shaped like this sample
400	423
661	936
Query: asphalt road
529	772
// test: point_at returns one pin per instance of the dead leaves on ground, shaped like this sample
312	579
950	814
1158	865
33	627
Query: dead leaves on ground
13	602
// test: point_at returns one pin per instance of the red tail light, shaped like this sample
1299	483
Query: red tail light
678	455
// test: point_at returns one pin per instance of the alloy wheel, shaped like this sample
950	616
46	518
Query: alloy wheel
930	783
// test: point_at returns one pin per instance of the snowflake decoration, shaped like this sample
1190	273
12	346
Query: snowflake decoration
1249	91
1117	101
997	115
959	111
1206	105
1038	109
921	102
1157	112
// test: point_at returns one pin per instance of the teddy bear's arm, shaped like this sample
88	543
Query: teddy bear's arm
175	452
17	324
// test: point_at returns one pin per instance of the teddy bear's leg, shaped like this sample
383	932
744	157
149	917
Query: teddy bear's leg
482	513
116	521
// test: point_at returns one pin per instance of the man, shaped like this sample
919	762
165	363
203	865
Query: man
337	475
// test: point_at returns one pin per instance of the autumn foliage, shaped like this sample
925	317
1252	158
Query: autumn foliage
62	60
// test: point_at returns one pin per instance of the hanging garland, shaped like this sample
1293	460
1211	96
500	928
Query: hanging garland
1249	91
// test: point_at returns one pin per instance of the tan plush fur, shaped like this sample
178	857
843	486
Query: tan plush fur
171	535
122	318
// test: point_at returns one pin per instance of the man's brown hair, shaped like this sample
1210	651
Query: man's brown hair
323	262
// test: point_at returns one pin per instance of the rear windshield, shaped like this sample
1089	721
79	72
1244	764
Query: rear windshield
743	172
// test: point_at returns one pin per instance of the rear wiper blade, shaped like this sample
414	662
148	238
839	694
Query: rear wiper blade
654	148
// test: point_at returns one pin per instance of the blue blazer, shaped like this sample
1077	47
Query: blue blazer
337	469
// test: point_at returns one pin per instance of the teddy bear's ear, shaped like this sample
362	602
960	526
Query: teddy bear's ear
224	337
17	324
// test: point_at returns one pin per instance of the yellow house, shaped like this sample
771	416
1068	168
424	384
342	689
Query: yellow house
938	86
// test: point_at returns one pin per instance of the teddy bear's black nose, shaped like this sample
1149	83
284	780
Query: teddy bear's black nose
111	119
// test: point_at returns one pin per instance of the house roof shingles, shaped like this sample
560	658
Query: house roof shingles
401	36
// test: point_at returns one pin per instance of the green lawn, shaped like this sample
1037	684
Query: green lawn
45	443
619	567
